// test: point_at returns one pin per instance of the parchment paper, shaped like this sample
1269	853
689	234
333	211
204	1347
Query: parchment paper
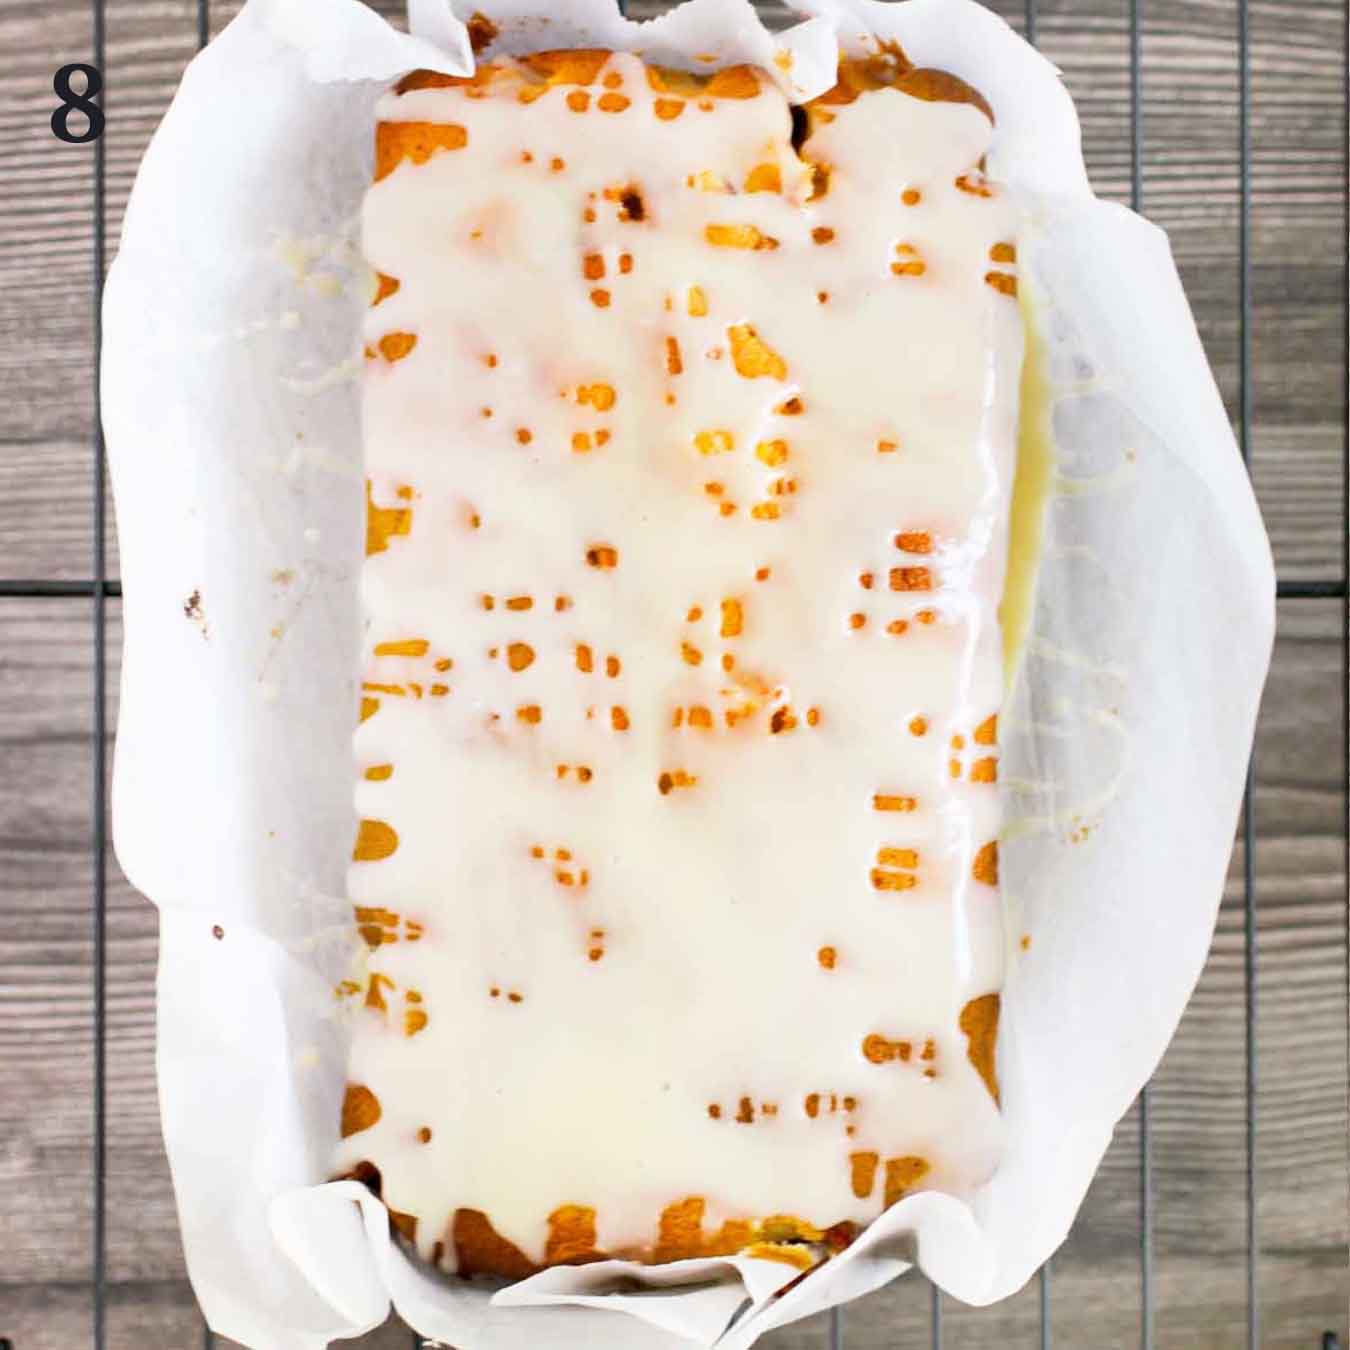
230	406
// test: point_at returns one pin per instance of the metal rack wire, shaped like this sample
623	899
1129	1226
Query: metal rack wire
100	588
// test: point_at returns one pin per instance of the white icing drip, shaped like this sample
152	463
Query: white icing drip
713	899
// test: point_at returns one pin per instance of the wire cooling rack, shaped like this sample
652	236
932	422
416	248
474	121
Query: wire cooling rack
100	588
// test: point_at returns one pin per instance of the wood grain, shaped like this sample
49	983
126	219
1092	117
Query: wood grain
46	302
1199	1129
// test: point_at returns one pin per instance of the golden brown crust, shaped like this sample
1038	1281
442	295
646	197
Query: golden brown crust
681	1231
985	866
384	523
734	82
481	1250
902	1175
531	76
864	1173
367	1174
417	141
941	86
799	1258
579	66
375	839
571	1237
859	76
431	79
979	1024
360	1109
482	31
735	1235
888	68
395	346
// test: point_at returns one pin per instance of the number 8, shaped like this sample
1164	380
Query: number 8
93	85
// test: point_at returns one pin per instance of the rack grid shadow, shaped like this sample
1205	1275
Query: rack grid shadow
1131	26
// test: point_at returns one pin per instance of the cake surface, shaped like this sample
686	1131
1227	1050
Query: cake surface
690	430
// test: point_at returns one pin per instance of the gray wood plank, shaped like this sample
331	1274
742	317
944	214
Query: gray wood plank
46	1006
153	1315
46	302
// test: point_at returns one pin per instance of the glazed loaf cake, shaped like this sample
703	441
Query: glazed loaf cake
690	423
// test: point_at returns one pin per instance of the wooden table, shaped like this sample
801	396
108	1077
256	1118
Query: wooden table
50	877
